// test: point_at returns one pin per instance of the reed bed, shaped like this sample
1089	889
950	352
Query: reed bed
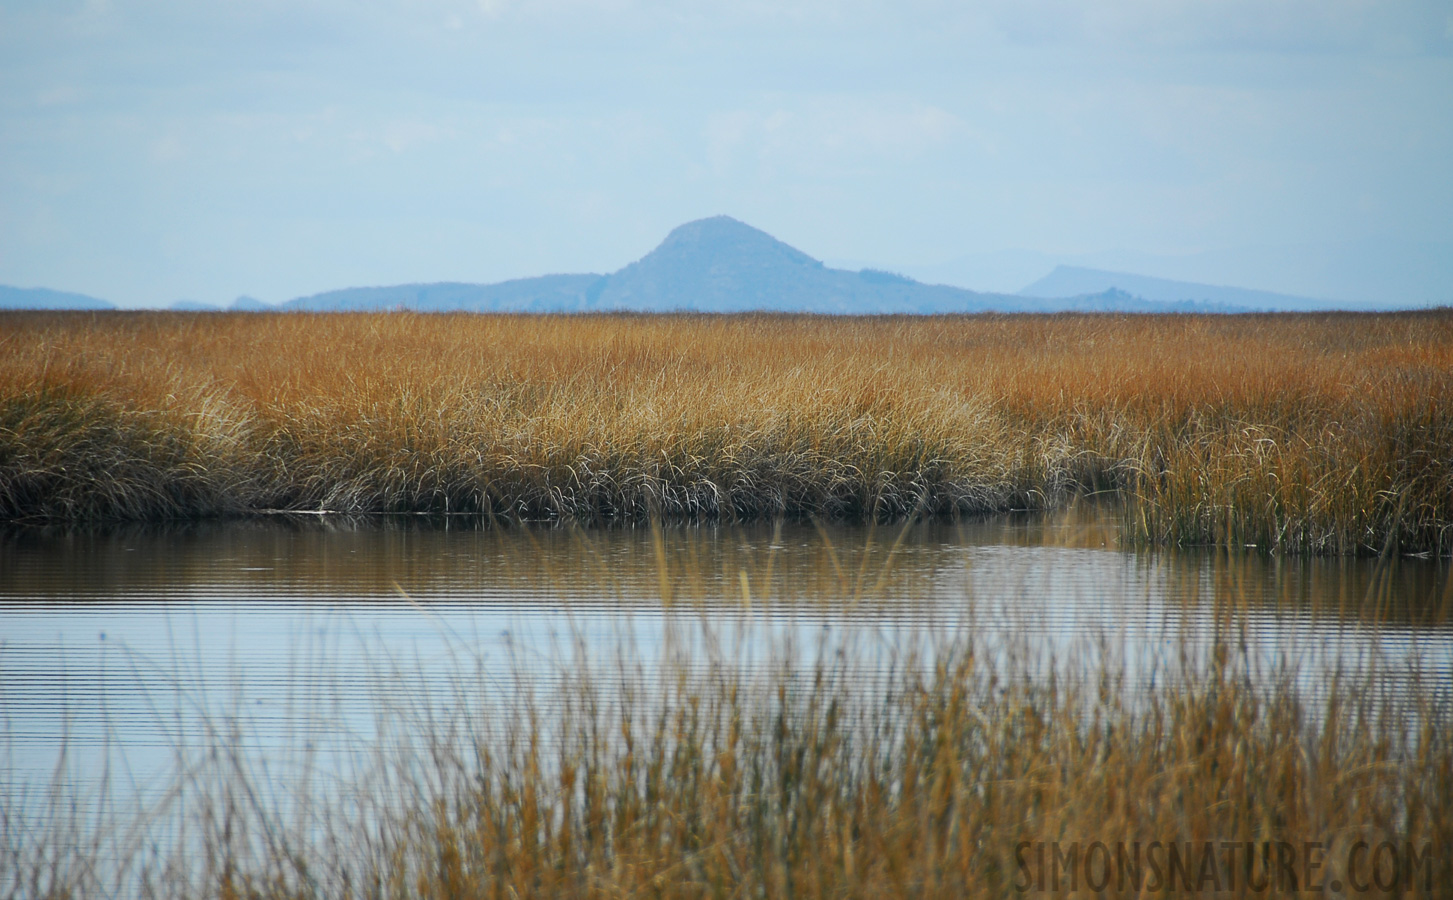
931	771
1327	433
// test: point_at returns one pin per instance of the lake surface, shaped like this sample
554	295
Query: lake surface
124	652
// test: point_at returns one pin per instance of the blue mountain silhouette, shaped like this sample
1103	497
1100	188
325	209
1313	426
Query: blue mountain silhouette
710	265
715	265
45	298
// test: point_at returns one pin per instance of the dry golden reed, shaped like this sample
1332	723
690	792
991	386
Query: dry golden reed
938	776
1327	433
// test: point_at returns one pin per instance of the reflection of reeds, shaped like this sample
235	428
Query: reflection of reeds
915	773
1320	433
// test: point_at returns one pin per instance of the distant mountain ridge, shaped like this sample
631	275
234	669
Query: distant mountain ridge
1076	280
721	265
45	298
546	293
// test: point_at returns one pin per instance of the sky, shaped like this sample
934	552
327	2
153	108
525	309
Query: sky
159	150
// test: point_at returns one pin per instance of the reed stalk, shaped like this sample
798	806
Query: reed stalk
1325	433
924	773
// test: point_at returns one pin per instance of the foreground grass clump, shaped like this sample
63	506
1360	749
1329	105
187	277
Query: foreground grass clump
919	774
1302	433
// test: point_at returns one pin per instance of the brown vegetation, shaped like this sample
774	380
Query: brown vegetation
935	776
1303	433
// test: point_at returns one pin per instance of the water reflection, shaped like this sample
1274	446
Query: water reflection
135	644
461	560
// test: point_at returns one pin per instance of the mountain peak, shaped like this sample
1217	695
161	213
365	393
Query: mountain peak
722	239
716	263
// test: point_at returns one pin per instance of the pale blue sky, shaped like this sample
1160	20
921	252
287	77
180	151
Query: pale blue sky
154	150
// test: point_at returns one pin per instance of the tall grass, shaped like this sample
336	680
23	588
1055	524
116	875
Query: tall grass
1298	433
921	772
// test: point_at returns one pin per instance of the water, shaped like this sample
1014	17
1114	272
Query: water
125	653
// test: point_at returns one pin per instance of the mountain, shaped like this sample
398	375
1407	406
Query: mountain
547	293
44	298
722	265
1066	281
719	264
1370	273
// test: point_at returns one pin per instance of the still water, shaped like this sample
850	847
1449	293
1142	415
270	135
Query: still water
123	651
